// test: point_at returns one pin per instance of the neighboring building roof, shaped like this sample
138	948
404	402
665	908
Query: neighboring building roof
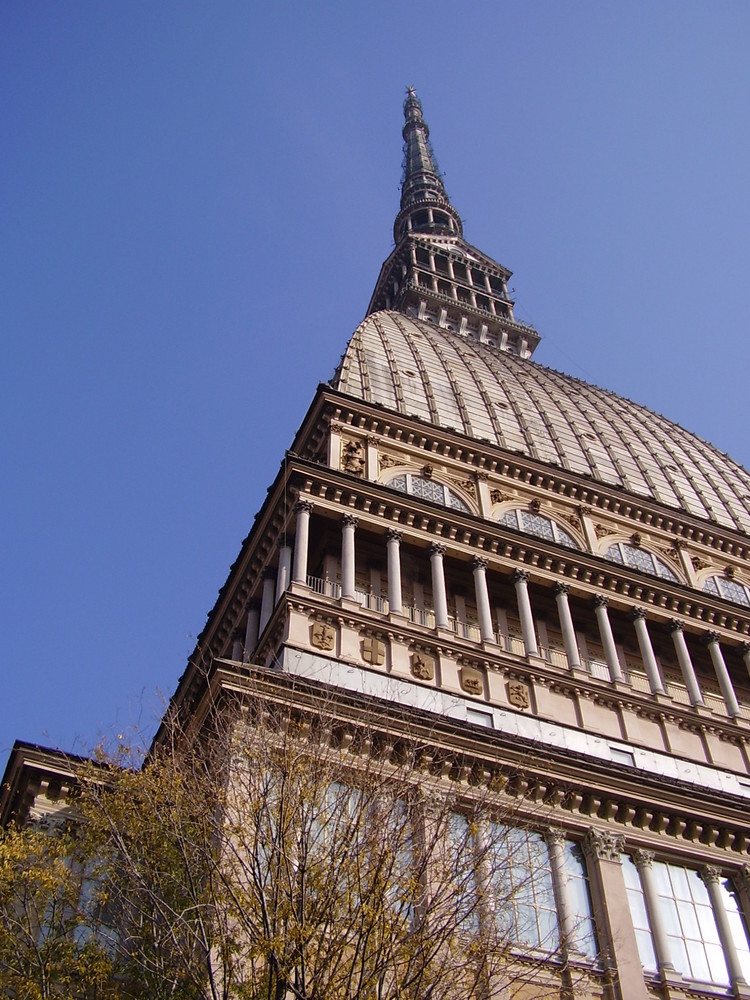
418	369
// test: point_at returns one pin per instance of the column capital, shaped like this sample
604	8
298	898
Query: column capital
253	604
481	477
744	648
304	506
238	635
599	601
561	588
554	835
350	520
519	576
711	874
436	549
637	614
643	859
604	845
710	637
675	625
269	573
479	562
394	535
284	541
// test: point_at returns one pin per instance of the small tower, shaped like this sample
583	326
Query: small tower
433	273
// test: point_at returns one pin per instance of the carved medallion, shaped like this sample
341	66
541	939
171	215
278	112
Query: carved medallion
519	694
471	680
322	636
423	666
373	650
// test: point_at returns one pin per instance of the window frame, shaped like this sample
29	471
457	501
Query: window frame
557	529
452	499
623	545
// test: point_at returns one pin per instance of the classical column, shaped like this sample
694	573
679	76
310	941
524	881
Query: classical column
251	629
677	631
479	569
437	551
304	509
712	879
556	846
267	598
561	591
638	618
612	913
644	863
599	604
393	547
348	526
237	647
711	640
520	580
285	565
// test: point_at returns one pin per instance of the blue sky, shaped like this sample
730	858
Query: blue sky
195	199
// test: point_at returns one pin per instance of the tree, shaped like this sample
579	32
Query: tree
285	855
49	942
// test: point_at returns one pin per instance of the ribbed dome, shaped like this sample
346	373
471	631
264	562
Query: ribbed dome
417	369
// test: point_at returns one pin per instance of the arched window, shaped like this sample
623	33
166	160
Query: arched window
637	558
730	590
428	489
539	525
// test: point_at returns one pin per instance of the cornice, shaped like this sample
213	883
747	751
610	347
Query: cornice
483	455
547	785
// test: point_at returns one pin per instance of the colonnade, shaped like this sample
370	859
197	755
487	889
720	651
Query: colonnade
293	567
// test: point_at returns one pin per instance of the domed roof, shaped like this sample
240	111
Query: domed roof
418	369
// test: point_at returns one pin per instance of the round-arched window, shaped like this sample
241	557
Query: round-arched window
730	590
638	558
428	489
539	525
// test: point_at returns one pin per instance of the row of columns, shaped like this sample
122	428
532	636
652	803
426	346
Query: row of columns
711	877
276	582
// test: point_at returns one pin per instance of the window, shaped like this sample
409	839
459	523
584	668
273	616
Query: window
584	933
539	525
640	559
521	895
730	590
687	916
513	868
428	489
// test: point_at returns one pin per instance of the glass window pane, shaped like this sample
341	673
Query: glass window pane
645	949
679	878
678	954
707	924
717	964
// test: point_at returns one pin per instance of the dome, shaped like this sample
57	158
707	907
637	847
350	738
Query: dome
418	369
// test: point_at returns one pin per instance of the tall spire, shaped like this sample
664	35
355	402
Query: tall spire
425	207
